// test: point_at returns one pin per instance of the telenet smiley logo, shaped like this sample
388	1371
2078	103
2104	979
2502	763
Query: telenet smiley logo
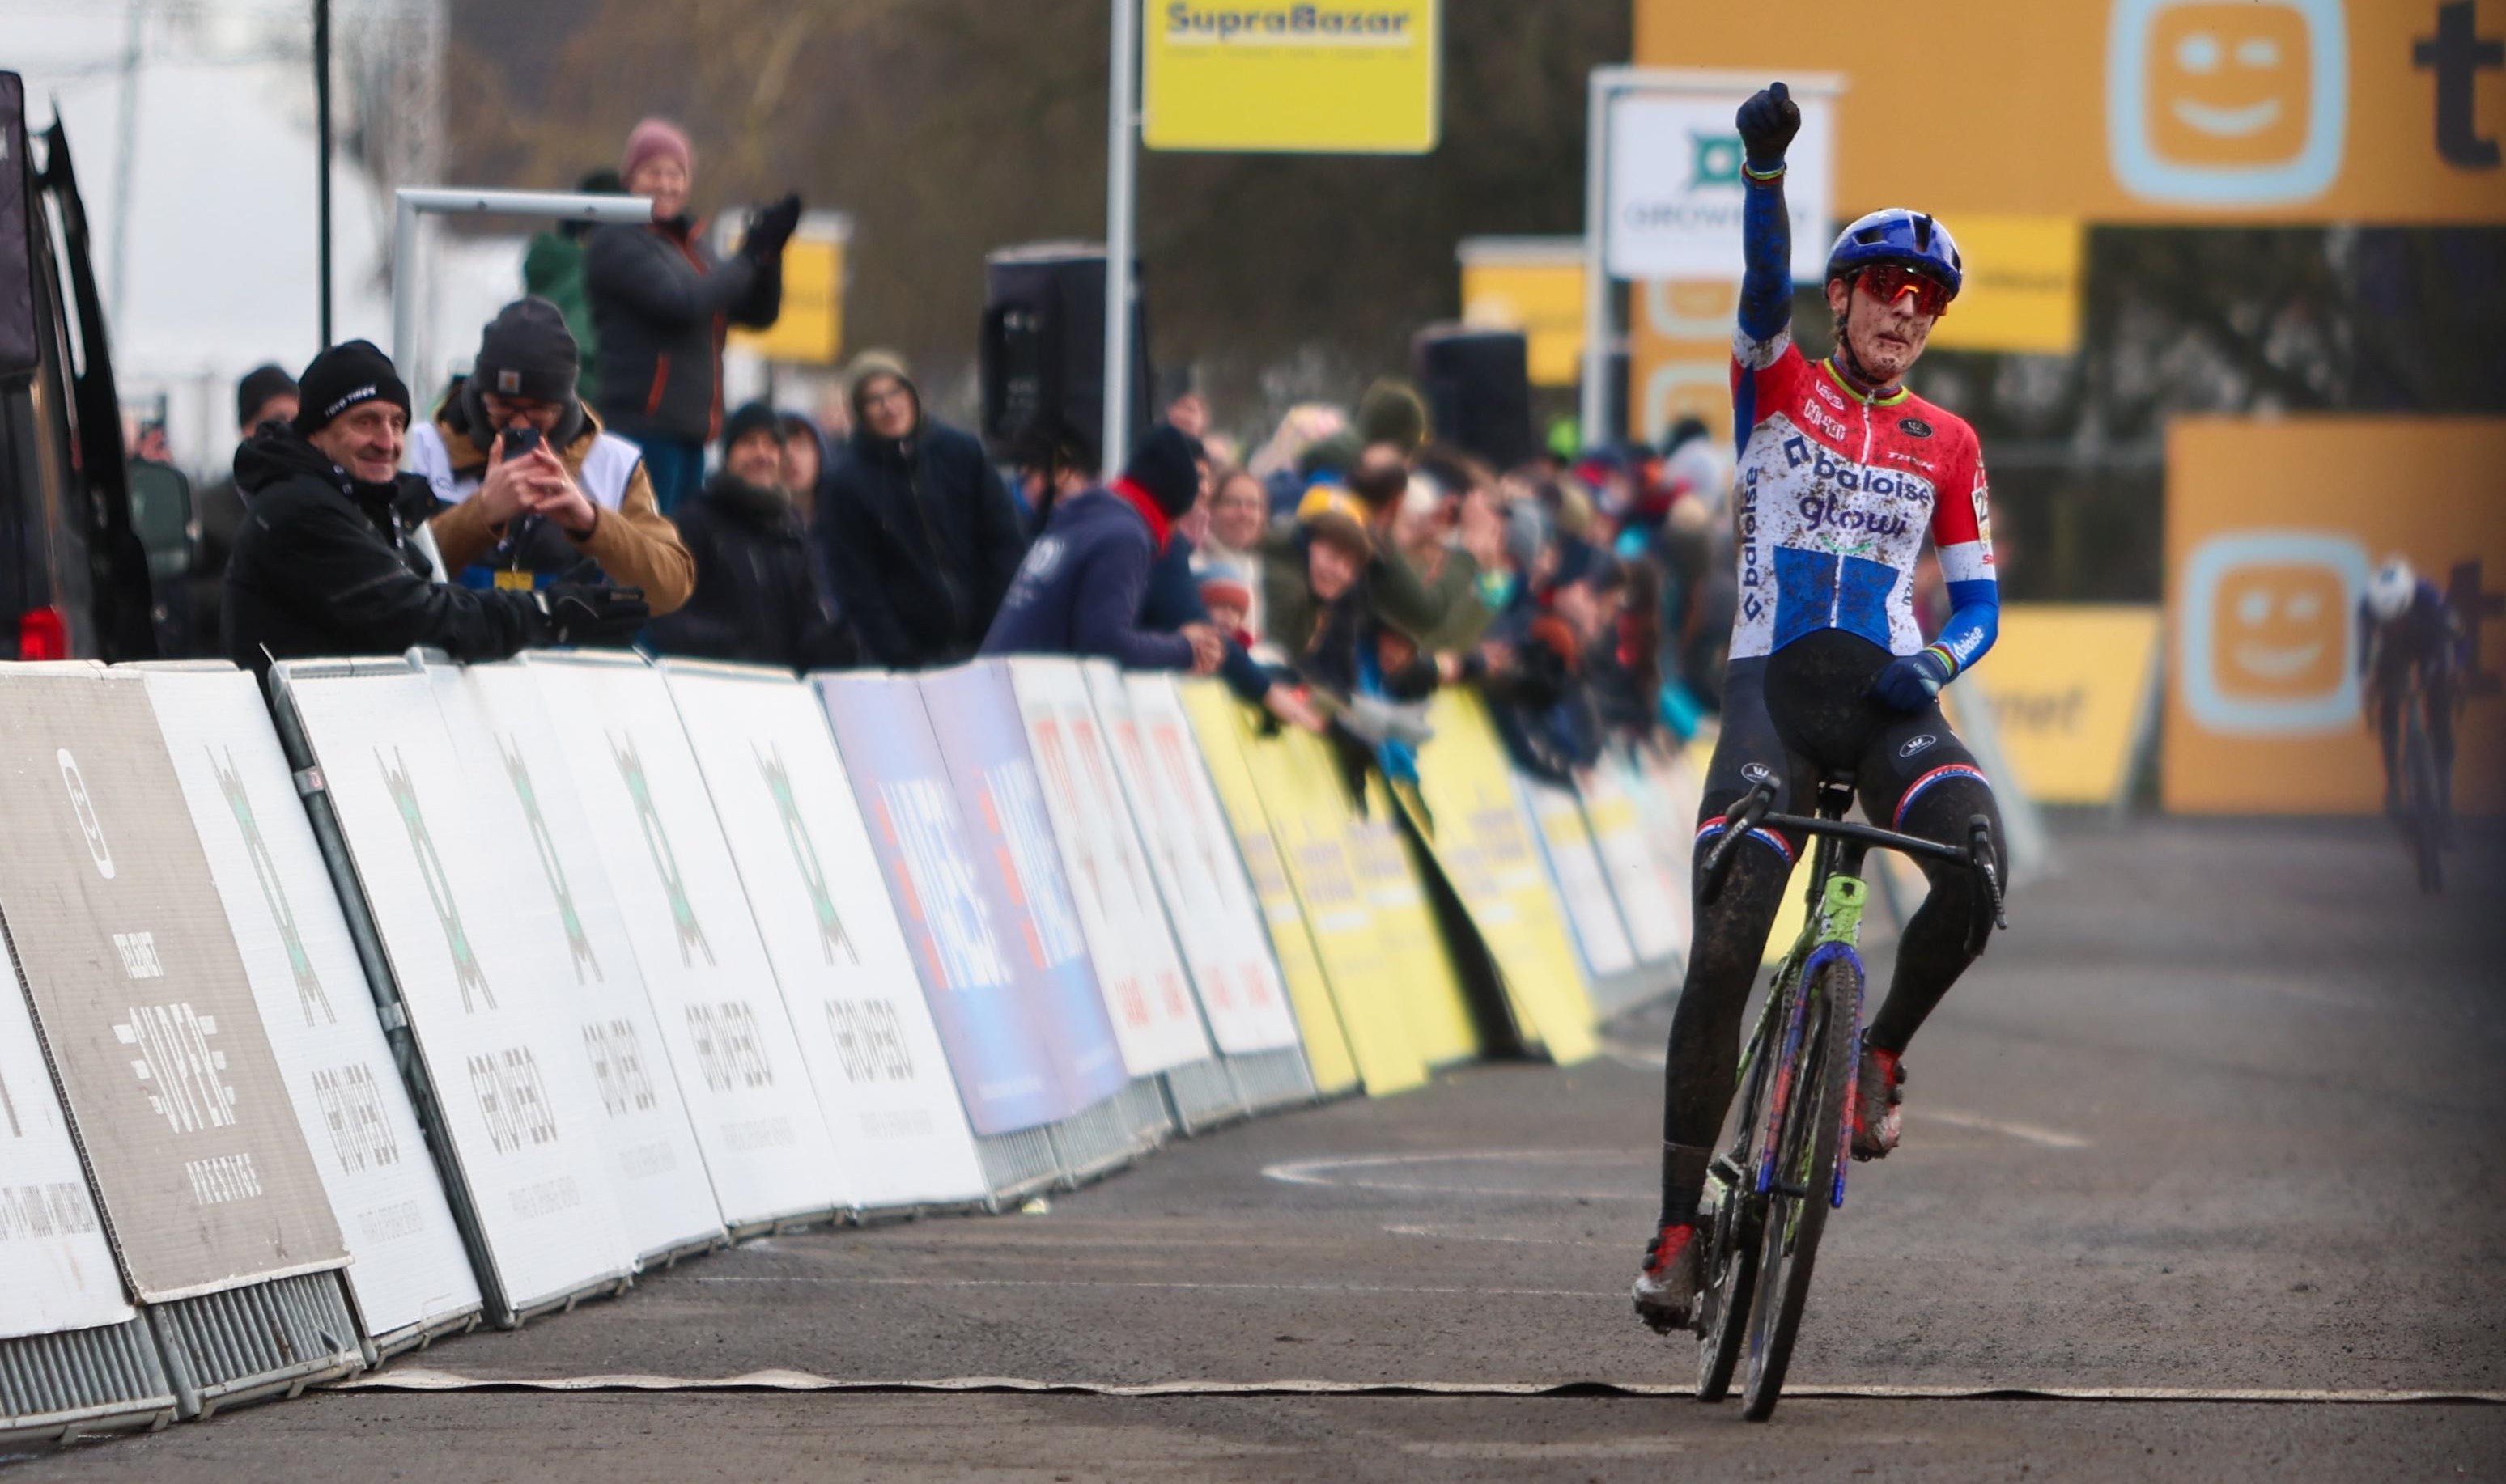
2270	631
2227	102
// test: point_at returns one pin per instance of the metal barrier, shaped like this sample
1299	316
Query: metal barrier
1107	1135
80	1382
1202	1096
1269	1081
1018	1165
222	1350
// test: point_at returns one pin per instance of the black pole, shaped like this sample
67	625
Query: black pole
322	150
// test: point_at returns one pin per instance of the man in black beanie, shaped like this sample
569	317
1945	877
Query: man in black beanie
1079	590
328	561
576	508
759	595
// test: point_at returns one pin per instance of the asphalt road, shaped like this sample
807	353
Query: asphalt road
2220	1115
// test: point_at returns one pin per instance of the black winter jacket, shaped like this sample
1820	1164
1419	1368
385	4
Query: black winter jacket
1079	591
660	301
758	596
323	565
921	538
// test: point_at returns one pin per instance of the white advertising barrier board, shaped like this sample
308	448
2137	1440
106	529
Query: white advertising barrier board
1647	900
813	883
141	1000
1666	794
1582	883
714	988
1192	852
55	1271
1676	190
1137	968
560	905
514	1096
409	1267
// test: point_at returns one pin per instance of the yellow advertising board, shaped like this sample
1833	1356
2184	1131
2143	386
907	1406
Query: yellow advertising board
2272	530
1405	925
1534	285
1482	836
1217	723
2067	684
2149	111
1310	817
1355	76
2022	285
811	328
1679	355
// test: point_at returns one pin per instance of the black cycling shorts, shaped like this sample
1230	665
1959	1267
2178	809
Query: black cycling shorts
1806	709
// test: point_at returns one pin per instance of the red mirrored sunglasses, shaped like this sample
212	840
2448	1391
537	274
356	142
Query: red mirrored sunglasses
1887	283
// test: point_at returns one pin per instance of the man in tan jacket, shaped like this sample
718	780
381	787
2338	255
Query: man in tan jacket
538	491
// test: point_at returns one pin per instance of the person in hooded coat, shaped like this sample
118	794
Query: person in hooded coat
1079	590
758	596
919	530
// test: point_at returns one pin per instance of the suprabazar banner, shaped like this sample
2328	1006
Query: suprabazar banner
1219	726
2270	546
812	879
410	1269
975	718
560	906
722	1013
513	1097
2145	111
1359	77
142	1000
1192	852
1154	1020
967	945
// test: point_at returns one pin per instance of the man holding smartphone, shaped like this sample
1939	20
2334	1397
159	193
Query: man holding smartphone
539	493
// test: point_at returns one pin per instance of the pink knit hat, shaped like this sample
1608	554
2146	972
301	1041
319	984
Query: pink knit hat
653	138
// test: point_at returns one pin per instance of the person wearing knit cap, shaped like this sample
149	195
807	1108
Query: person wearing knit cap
576	505
266	393
759	596
660	301
1391	413
918	532
1079	590
331	561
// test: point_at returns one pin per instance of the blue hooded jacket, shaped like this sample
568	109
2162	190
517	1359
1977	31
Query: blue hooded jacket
1079	590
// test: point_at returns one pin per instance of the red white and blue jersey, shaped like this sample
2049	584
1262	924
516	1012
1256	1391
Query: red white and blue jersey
1834	495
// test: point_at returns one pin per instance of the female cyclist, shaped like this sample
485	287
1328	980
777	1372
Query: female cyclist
1842	473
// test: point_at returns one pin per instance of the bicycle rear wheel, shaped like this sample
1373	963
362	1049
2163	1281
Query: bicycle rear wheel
1805	1151
2423	811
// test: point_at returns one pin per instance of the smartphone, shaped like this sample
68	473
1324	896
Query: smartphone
519	440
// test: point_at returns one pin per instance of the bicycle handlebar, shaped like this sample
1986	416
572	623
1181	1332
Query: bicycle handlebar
1756	810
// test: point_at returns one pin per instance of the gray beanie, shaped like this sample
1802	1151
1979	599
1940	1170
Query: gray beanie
527	352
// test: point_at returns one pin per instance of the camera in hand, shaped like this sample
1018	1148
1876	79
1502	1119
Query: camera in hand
519	440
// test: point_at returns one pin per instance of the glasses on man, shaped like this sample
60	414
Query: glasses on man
1889	283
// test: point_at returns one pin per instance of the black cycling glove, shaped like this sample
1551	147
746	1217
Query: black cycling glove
1766	123
771	228
586	615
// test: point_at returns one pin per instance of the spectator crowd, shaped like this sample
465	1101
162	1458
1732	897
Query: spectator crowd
559	493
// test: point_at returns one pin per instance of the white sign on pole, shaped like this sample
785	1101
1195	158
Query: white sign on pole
55	1271
1137	970
559	896
1675	192
410	1268
804	856
714	988
515	1099
1193	852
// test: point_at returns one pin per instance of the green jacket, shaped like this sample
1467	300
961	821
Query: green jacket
552	269
1443	612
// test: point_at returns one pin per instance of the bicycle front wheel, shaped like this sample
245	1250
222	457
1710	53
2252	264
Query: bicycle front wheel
1805	1153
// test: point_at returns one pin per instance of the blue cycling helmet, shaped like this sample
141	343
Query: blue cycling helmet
1908	238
